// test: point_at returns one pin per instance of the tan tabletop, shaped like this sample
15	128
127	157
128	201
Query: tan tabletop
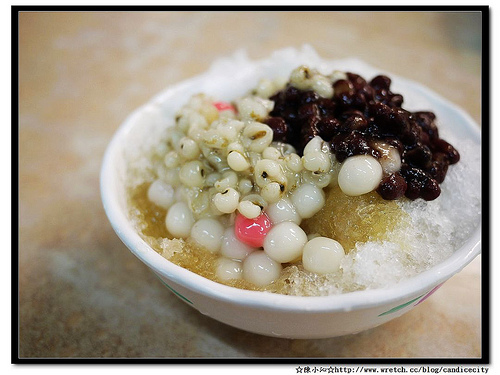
81	292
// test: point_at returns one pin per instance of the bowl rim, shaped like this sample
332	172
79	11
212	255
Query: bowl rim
411	287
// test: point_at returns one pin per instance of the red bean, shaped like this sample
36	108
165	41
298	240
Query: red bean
381	82
280	129
328	127
392	187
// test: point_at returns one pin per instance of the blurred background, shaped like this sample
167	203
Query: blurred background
81	293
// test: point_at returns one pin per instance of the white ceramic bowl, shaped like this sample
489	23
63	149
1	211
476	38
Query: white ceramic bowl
259	312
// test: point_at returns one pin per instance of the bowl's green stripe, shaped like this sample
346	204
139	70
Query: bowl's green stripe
394	309
173	290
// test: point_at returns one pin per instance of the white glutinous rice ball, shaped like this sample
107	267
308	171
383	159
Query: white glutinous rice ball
179	220
259	269
359	175
208	234
285	241
283	210
161	194
308	199
232	247
228	269
322	255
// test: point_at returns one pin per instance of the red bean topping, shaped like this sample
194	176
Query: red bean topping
328	127
309	97
359	115
343	87
426	121
355	122
439	167
308	110
420	156
381	82
396	100
326	107
392	187
440	145
280	129
353	144
358	82
430	190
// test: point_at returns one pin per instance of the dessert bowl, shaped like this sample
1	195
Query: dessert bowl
266	313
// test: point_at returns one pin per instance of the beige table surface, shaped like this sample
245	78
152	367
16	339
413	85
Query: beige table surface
81	292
